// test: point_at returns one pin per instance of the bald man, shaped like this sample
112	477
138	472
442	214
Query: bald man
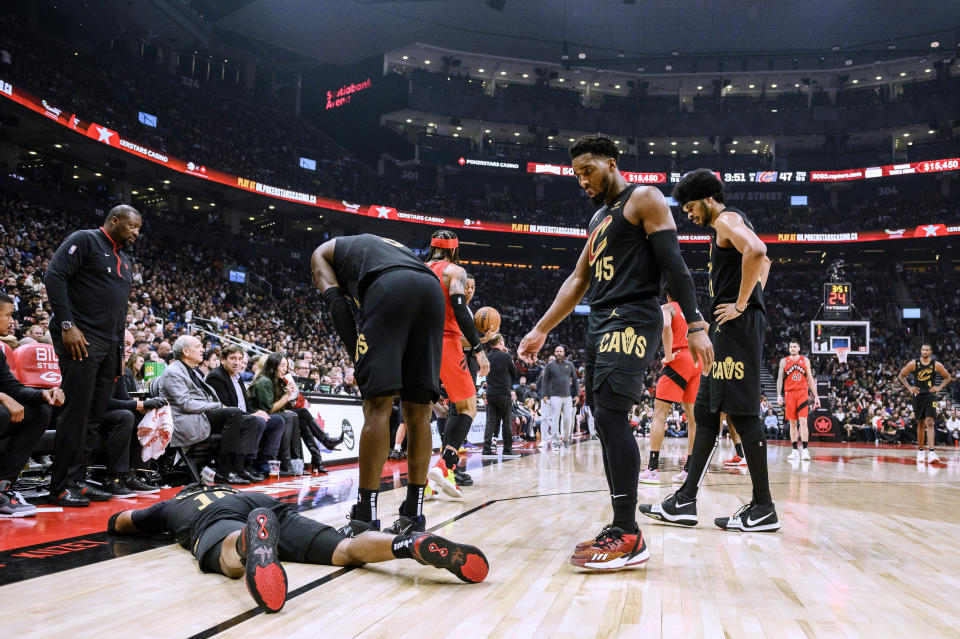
88	284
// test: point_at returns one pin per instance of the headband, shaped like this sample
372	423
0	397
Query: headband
443	243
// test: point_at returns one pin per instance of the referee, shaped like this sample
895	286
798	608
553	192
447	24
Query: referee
88	283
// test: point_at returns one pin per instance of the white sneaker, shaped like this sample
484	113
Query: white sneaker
932	457
921	458
794	455
680	477
805	455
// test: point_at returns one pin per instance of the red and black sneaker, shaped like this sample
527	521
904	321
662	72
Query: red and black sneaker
613	549
466	562
265	577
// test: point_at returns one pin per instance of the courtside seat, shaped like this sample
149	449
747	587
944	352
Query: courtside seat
36	365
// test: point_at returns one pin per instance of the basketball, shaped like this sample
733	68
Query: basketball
487	320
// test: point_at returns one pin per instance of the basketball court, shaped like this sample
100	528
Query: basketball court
857	556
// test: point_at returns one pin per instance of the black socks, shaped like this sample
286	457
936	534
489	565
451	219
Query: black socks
739	447
366	507
455	434
654	463
412	506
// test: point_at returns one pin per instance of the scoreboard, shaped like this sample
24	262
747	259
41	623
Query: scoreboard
837	297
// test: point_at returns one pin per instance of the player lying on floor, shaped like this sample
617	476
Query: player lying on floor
248	534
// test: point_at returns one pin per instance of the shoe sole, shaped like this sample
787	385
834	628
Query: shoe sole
764	528
265	577
650	482
661	517
14	515
440	484
468	563
147	492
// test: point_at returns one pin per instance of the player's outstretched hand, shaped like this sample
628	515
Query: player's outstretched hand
816	403
530	345
780	400
701	349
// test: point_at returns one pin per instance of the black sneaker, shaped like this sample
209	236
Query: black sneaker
117	488
68	497
405	525
264	575
357	526
463	479
394	455
92	492
752	517
488	453
140	486
673	510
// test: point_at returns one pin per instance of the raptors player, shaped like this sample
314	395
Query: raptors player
454	371
679	382
794	377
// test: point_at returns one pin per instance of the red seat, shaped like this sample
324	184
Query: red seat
36	366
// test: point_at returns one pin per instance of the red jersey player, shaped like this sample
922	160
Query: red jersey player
454	372
679	382
794	377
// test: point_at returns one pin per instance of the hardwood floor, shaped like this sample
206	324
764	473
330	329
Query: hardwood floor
867	549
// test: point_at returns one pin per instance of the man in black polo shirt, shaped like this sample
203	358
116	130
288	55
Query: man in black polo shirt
88	284
499	407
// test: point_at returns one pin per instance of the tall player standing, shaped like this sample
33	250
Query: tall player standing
793	378
924	397
454	372
398	349
679	382
631	245
738	272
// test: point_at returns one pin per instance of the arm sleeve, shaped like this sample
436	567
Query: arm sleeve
666	249
63	266
121	400
152	520
464	319
342	318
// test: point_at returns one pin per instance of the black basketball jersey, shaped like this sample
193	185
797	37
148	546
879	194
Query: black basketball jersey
187	511
359	259
622	266
726	270
923	374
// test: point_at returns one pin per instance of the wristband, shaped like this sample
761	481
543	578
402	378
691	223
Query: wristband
694	330
738	310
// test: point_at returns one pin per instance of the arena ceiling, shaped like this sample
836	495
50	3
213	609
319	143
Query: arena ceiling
607	32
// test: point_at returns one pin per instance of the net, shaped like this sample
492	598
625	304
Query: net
842	354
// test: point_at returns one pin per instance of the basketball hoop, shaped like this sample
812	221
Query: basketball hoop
842	354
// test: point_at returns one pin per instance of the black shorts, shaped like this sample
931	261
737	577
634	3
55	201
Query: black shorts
733	386
621	343
925	405
401	336
297	533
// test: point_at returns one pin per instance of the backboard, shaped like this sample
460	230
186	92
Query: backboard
827	335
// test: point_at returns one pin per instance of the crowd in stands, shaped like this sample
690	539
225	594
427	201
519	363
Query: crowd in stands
219	125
